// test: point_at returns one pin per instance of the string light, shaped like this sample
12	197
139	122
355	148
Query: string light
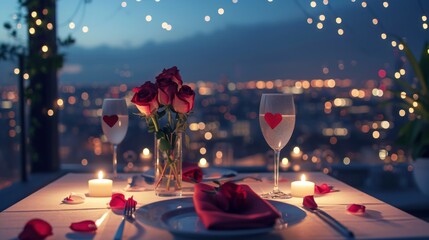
148	18
313	4
340	31
72	25
338	20
322	17
309	20
207	18
385	4
85	29
220	11
319	25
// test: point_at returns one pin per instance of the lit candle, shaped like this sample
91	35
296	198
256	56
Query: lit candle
302	188
100	187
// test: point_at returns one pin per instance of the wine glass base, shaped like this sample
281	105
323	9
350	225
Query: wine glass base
276	195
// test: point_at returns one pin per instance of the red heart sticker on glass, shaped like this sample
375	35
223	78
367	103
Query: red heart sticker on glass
273	119
110	120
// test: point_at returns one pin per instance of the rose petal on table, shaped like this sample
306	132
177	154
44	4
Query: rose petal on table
74	198
117	201
322	189
36	229
84	226
356	209
309	202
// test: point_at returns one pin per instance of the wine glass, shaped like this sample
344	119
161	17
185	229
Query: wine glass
114	122
277	121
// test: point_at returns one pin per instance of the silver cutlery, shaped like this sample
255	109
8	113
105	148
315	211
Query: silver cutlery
128	215
331	221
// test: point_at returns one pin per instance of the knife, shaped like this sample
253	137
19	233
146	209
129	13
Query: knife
331	221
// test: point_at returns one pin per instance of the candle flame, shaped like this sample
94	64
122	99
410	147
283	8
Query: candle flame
100	175
303	177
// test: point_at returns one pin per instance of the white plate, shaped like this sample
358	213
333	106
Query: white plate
179	217
209	174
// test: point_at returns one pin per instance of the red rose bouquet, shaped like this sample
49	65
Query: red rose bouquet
166	105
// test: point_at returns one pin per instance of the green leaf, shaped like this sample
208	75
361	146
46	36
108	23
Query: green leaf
164	145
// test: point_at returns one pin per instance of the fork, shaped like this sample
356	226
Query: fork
128	215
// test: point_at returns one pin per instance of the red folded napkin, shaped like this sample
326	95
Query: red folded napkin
191	172
232	206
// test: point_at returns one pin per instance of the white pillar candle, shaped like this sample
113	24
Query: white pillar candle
100	187
302	188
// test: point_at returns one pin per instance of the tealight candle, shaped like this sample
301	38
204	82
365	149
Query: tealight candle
302	188
100	187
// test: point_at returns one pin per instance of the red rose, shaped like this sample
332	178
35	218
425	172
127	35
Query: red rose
166	90
146	98
231	197
173	74
183	100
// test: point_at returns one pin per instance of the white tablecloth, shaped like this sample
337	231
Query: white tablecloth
380	221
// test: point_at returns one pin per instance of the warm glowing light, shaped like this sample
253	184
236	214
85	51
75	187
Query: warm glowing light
313	4
38	22
148	18
146	152
85	29
397	75
100	175
31	31
296	150
385	124
16	71
84	162
60	102
203	150
411	110
383	36
26	76
72	25
50	112
346	161
424	18
207	18
394	43
319	25
285	162
340	32
385	4
50	26
45	48
325	2
403	95
375	21
402	112
220	11
364	4
402	71
303	177
208	135
33	14
123	4
203	163
309	20
376	134
425	26
415	104
322	17
382	154
338	20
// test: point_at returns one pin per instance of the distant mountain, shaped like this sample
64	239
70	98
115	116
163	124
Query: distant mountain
281	50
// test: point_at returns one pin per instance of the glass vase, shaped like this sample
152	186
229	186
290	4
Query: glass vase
168	167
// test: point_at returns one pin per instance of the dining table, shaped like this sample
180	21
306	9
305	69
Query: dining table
380	220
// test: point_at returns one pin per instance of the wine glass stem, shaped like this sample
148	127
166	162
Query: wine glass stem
276	170
115	161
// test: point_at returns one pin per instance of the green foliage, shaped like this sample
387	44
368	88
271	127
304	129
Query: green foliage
414	135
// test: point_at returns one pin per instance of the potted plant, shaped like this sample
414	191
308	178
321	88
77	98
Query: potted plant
414	134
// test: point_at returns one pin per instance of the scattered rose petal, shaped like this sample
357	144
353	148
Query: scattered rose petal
117	201
322	189
309	202
36	229
74	198
356	209
84	226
